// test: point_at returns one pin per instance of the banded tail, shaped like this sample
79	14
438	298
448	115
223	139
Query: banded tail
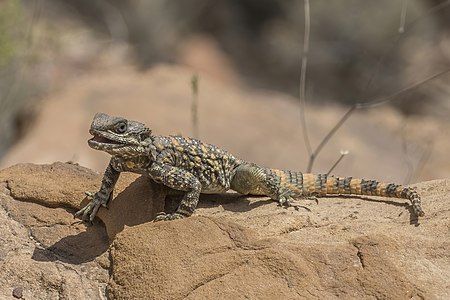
284	186
322	185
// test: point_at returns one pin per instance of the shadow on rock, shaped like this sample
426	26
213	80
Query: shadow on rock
76	249
138	203
233	201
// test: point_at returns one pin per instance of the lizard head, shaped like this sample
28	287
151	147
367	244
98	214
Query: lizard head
118	136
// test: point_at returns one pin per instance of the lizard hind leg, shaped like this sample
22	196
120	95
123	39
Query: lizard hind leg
282	186
250	179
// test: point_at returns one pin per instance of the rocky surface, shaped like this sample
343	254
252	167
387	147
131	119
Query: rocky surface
234	247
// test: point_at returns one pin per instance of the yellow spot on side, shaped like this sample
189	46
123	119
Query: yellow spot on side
399	190
174	141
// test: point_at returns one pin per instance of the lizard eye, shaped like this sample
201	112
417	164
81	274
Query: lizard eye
121	127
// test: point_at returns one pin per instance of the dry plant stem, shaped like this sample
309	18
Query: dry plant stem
401	27
401	34
408	161
381	100
390	49
328	136
361	105
314	154
411	174
431	11
194	107
302	92
337	162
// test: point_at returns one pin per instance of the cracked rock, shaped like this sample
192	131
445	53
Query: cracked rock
232	248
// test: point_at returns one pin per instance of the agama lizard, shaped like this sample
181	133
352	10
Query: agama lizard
195	167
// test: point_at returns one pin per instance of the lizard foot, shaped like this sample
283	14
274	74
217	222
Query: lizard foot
286	202
88	212
162	216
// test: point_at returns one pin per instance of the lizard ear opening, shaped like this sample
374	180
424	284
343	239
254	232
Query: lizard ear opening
145	134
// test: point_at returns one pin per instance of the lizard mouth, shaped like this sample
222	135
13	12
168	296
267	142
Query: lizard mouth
98	139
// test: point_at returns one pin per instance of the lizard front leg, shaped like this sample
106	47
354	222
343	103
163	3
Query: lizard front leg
181	180
102	197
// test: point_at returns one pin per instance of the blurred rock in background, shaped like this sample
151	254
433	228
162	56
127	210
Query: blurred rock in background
356	51
264	40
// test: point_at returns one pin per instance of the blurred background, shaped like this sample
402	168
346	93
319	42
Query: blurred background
62	61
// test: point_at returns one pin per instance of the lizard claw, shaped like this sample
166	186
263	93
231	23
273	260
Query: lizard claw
89	194
286	202
162	216
313	198
89	212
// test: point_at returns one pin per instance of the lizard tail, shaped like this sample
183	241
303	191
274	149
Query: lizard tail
323	185
283	185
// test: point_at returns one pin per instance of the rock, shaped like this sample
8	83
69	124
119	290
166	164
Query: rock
18	292
234	247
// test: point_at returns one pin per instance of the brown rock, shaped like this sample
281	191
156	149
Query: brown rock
17	292
234	247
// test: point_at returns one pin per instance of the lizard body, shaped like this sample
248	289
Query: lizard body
195	167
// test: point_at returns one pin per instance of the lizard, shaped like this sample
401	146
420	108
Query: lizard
194	167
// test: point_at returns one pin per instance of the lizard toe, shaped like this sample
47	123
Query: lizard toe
284	202
287	201
89	194
88	212
312	198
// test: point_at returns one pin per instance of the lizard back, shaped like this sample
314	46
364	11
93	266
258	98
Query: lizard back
211	165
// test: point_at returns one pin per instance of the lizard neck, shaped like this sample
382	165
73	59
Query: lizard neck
153	147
